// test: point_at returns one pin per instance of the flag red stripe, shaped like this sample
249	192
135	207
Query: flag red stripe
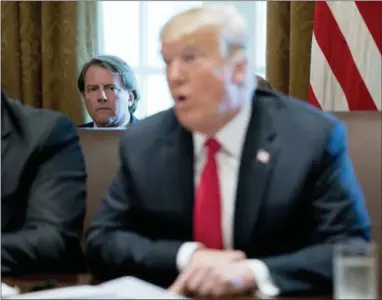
336	51
312	99
371	12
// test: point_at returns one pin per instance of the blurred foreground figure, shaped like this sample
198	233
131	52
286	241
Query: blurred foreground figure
232	190
42	192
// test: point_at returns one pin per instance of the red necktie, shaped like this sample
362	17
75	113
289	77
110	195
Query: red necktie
207	207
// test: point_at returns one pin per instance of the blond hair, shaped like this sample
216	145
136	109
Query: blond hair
233	28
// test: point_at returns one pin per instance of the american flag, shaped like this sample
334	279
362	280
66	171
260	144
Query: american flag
346	61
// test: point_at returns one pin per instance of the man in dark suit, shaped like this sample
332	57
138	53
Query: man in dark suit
42	192
231	191
110	90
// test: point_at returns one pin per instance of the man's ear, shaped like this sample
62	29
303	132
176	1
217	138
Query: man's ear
240	68
131	99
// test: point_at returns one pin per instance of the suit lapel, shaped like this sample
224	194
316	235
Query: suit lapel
6	130
4	143
12	153
258	158
178	170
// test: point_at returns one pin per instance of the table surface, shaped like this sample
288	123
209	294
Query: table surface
27	283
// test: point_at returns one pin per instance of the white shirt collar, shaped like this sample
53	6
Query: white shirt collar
231	136
123	126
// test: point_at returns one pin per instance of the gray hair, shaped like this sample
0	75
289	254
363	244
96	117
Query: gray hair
117	66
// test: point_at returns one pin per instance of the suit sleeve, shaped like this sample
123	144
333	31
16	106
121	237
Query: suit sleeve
339	215
119	243
50	238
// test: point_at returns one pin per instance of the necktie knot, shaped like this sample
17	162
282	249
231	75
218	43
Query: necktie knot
213	146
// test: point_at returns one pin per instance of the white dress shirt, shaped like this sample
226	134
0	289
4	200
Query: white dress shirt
231	139
119	127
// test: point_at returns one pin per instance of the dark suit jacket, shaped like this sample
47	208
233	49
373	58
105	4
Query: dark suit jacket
91	124
42	192
288	212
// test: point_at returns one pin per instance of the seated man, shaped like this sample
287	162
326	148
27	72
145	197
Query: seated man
230	191
42	192
110	91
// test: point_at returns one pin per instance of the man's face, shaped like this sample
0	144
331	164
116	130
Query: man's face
105	98
199	78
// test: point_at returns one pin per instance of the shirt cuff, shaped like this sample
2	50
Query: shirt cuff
184	254
265	285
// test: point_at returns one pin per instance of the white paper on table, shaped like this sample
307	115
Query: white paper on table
122	288
7	291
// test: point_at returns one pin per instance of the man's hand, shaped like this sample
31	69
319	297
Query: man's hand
207	257
215	273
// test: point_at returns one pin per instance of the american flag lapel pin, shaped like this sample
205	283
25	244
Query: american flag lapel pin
263	156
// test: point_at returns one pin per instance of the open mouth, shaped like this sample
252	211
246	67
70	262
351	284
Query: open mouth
181	99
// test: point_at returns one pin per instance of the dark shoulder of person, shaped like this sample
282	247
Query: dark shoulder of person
154	127
30	120
298	113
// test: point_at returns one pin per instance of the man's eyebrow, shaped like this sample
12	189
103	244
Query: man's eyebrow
187	48
97	85
190	48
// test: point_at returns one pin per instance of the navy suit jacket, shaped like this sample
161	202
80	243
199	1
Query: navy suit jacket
289	212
